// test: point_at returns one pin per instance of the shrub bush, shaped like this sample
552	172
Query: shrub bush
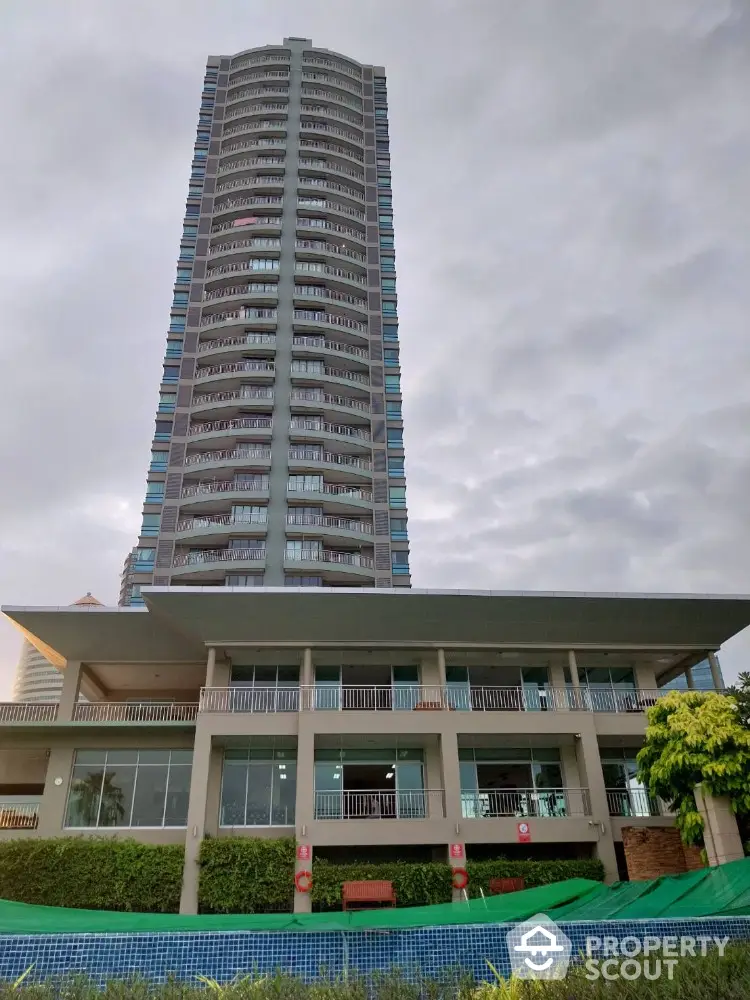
92	873
246	875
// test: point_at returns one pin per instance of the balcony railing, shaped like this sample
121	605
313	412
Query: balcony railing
323	521
311	163
236	367
255	220
330	227
316	316
380	804
313	267
251	162
323	205
635	802
331	81
233	204
319	292
254	109
119	711
257	485
234	455
276	180
18	815
22	711
324	111
272	89
262	143
332	64
610	699
547	803
372	697
254	243
342	430
316	370
239	424
270	125
331	345
249	699
331	457
219	555
314	396
248	288
342	133
320	246
266	339
328	95
328	556
333	489
233	315
220	520
231	394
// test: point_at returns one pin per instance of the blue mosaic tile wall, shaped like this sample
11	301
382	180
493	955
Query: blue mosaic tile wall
224	955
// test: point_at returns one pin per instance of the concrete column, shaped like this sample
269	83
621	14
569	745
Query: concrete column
69	694
196	820
211	668
557	682
713	663
721	834
592	777
305	804
441	667
569	763
307	680
689	678
645	678
576	696
451	778
55	795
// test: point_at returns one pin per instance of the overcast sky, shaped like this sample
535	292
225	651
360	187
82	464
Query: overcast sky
572	201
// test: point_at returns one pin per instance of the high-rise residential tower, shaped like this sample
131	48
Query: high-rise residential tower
277	457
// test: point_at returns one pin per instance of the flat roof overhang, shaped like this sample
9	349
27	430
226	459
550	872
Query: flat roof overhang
179	622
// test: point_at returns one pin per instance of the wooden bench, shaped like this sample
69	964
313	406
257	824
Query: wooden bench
355	893
503	885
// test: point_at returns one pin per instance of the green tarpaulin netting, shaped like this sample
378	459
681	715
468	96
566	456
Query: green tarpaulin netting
714	892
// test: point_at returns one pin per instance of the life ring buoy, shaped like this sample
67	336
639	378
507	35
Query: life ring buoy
303	881
460	878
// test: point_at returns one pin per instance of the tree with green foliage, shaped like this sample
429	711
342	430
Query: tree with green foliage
696	737
741	694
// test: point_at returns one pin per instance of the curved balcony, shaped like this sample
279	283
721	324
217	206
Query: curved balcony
246	315
331	149
282	57
253	243
332	249
339	494
327	527
325	295
222	272
310	92
271	90
331	167
315	429
262	289
236	369
314	317
324	184
336	114
329	208
215	561
237	427
316	371
320	225
252	201
318	399
260	396
264	341
260	143
216	493
247	222
213	525
333	347
251	163
336	65
279	124
330	81
225	459
348	467
335	278
253	181
258	108
339	565
335	131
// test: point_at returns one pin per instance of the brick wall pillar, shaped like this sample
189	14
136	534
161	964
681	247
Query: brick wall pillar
652	851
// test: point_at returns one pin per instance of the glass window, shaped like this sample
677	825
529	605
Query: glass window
388	284
397	496
129	788
387	263
244	580
386	242
386	221
384	180
189	230
168	397
300	483
390	331
171	373
303	581
390	308
160	459
145	555
154	490
395	437
393	409
150	524
396	466
400	558
385	201
163	427
392	383
257	791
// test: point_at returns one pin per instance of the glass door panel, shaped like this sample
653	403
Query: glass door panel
405	684
410	795
329	783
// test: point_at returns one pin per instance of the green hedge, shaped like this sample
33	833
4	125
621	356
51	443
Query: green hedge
246	875
92	873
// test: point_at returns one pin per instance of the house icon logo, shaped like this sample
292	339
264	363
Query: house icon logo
538	949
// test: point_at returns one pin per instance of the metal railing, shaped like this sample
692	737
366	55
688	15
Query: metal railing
314	267
236	367
123	711
263	60
335	168
323	205
256	220
249	699
324	521
379	803
255	242
23	711
320	246
611	699
316	316
257	485
240	95
324	111
319	370
256	179
248	288
333	148
332	64
315	396
254	109
254	144
328	95
635	802
333	489
235	454
342	430
256	199
330	345
330	227
219	555
372	697
18	815
320	292
250	162
240	424
238	314
230	394
226	520
332	458
329	556
547	803
246	266
268	339
280	124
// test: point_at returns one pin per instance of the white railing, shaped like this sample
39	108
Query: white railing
315	267
326	112
248	315
324	521
219	555
331	81
254	144
330	167
241	423
328	95
344	133
315	396
271	125
23	711
323	205
255	199
259	484
220	520
270	57
330	345
332	64
268	339
320	246
611	699
257	220
255	92
249	288
380	804
342	430
547	803
18	815
300	368
246	266
237	454
330	227
256	242
635	802
331	147
124	711
252	161
304	454
268	367
328	556
319	292
231	394
333	489
314	316
255	109
249	699
256	180
372	697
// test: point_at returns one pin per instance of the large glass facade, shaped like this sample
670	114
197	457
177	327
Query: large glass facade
506	781
370	784
702	679
259	787
129	788
626	795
